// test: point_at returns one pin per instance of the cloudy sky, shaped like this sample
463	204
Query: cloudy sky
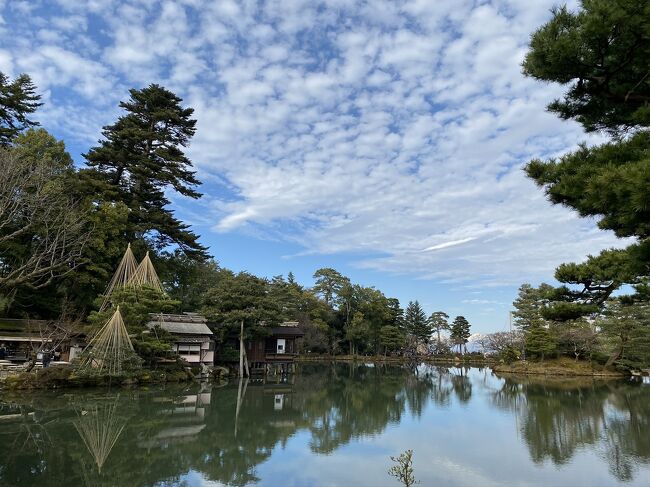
382	138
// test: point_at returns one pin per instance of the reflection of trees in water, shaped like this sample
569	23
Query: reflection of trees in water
461	384
627	432
94	444
164	438
360	402
557	418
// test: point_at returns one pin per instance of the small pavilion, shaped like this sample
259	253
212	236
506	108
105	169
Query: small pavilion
193	340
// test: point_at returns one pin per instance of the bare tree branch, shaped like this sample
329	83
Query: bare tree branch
42	229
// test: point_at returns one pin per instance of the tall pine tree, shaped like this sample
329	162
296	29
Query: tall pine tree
140	157
18	100
460	333
416	322
438	321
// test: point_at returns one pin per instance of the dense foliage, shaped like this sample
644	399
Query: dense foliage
600	53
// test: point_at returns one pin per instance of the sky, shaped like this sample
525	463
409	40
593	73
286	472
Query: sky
385	139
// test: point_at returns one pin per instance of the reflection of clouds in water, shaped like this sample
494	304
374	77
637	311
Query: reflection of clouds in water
479	444
338	425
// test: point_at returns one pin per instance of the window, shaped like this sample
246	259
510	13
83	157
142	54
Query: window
189	348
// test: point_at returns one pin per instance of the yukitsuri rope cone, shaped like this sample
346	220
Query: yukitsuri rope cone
109	349
145	275
100	428
123	275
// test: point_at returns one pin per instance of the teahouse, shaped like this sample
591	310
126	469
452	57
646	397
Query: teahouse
193	340
279	347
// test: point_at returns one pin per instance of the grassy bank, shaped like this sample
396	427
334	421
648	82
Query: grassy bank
65	377
563	366
470	359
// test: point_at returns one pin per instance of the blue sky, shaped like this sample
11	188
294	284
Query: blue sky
384	138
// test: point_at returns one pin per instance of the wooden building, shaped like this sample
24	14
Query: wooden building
193	340
278	348
21	338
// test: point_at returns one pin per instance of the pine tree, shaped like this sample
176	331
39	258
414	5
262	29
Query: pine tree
396	313
460	333
529	305
391	338
328	283
141	157
18	99
599	53
540	341
357	332
416	323
438	321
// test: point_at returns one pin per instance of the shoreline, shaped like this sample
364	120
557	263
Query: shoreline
375	359
551	368
559	368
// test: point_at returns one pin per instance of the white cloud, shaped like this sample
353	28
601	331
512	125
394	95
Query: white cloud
452	243
344	128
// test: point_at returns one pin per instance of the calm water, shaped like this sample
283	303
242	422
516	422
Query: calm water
334	425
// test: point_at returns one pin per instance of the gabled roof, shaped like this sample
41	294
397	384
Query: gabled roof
183	324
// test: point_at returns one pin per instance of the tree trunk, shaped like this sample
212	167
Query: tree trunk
616	354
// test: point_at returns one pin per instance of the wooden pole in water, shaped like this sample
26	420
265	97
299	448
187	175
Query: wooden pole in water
240	399
248	371
241	350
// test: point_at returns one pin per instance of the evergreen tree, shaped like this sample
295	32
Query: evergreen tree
391	338
460	333
140	157
396	313
599	52
416	323
439	323
626	325
540	341
18	100
529	306
243	296
356	332
329	283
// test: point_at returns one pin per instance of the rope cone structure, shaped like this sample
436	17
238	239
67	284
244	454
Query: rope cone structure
123	275
145	275
109	349
100	429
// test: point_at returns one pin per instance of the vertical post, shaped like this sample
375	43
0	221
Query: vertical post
248	372
241	350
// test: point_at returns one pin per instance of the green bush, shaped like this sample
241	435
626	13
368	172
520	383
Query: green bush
509	355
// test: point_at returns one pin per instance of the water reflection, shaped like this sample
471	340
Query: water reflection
557	418
99	427
232	435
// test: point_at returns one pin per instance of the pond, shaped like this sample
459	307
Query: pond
333	425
